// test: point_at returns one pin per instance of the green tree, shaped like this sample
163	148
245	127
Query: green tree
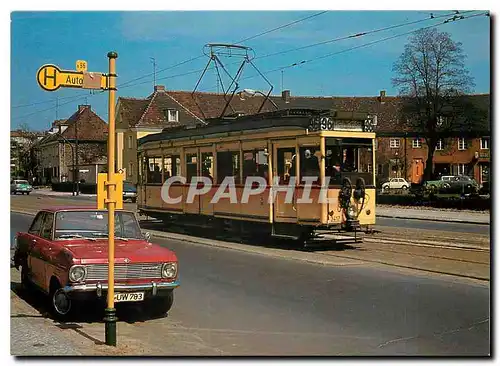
433	83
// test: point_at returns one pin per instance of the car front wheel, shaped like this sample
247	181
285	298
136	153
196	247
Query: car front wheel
159	306
404	188
60	303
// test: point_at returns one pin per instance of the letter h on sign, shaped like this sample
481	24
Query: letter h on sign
46	77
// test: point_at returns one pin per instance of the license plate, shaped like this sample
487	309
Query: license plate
129	296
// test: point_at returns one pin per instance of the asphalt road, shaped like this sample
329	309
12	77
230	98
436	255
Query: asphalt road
432	225
236	303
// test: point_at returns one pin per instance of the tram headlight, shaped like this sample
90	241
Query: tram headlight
169	270
351	212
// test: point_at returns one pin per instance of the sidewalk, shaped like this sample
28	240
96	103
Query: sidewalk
432	214
51	193
31	334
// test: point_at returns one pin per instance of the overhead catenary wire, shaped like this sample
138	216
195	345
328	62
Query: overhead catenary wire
456	18
298	63
202	56
130	82
354	35
283	26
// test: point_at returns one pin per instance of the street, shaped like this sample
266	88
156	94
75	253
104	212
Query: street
236	303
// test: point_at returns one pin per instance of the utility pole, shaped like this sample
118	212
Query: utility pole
110	317
281	80
76	161
153	60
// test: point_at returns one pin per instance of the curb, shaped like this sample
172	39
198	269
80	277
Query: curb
433	219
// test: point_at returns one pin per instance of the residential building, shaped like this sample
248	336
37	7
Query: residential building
400	152
74	148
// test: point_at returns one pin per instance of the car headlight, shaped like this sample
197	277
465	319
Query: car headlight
169	270
351	212
77	273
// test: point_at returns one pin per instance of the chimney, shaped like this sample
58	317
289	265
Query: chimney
82	107
285	95
159	88
381	98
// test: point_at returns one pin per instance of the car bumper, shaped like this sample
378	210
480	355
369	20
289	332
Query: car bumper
152	288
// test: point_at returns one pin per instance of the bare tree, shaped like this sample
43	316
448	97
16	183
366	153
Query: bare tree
433	82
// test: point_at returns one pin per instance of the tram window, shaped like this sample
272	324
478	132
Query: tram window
171	167
191	167
228	165
139	171
351	158
154	170
333	163
167	167
207	165
309	163
286	164
255	164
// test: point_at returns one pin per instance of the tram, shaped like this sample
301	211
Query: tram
318	168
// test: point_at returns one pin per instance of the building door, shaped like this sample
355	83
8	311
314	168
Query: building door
484	173
417	170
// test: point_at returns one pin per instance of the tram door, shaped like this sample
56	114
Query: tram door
284	159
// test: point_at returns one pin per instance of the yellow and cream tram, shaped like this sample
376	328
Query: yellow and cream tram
315	154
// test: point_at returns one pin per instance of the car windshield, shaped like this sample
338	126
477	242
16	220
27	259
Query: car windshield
22	182
94	225
128	187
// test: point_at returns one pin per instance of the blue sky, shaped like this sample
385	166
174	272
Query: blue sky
61	38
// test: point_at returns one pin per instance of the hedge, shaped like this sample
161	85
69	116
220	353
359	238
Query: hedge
85	188
473	203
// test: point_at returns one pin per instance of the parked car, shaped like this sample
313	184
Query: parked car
21	186
453	184
129	192
65	254
395	183
438	185
463	184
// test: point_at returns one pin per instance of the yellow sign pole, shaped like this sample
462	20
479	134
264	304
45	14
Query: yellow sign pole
110	317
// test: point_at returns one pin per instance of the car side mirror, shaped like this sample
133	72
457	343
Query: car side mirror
147	235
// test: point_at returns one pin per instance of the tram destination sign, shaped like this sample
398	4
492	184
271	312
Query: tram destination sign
331	124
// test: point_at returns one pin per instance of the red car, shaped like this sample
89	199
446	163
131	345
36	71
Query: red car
65	255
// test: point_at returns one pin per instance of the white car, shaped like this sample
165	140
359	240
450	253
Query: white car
395	183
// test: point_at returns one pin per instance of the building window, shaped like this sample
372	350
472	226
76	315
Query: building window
130	142
130	169
378	169
173	115
485	143
369	168
461	169
440	144
417	143
394	143
462	144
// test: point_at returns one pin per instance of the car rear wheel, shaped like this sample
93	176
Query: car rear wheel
160	306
